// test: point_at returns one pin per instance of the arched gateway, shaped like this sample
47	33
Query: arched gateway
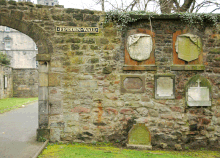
94	84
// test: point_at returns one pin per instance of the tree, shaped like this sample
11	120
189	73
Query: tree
4	59
165	6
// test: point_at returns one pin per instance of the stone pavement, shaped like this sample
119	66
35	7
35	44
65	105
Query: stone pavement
18	132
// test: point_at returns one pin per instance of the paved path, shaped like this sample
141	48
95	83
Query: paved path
18	132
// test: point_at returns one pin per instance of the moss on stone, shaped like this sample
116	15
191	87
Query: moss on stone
79	53
75	47
104	41
86	11
72	24
81	34
215	51
2	2
12	7
94	47
12	2
217	59
74	40
71	10
78	17
77	60
88	40
30	4
107	70
94	60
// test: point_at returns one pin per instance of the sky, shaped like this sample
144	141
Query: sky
91	4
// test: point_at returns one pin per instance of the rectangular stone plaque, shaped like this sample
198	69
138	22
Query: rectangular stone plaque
70	29
164	86
132	83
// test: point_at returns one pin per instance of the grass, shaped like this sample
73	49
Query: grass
12	103
91	151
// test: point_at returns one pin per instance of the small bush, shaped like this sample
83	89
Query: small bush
4	59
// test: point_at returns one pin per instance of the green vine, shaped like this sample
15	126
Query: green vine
123	18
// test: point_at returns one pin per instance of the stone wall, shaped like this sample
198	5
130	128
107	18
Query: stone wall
6	91
25	82
80	97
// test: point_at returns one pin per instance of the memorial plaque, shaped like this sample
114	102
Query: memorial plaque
188	47
139	46
138	136
164	86
70	29
132	83
198	96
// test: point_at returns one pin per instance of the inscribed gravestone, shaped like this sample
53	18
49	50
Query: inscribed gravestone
188	47
139	46
164	86
139	136
198	96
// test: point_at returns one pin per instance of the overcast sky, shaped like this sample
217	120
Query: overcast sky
91	4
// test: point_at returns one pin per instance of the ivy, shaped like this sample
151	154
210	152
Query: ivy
199	18
123	18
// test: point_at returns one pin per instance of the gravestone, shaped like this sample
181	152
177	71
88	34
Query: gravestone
198	92
139	46
139	137
188	46
164	86
132	83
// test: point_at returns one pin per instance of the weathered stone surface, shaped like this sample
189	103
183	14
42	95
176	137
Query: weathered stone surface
43	79
54	79
139	46
188	47
139	135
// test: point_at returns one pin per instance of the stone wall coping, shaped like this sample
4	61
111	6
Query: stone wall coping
163	16
24	68
187	67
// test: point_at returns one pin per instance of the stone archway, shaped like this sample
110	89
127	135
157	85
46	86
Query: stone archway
21	20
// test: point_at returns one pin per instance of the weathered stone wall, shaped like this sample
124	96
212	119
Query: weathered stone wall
25	82
79	79
6	92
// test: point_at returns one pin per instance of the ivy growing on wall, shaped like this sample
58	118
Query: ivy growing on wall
123	18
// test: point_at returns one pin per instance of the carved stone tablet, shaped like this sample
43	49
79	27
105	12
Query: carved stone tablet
132	83
197	95
139	46
139	135
164	86
188	46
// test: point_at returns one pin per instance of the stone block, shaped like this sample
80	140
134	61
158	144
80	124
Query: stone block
43	93
43	121
54	79
43	57
55	107
43	107
43	133
55	134
43	79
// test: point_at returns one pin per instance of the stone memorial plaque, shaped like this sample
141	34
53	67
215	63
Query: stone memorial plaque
132	83
164	86
71	29
198	96
139	136
188	47
139	46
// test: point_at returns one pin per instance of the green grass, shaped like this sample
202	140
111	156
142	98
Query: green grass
12	103
83	151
